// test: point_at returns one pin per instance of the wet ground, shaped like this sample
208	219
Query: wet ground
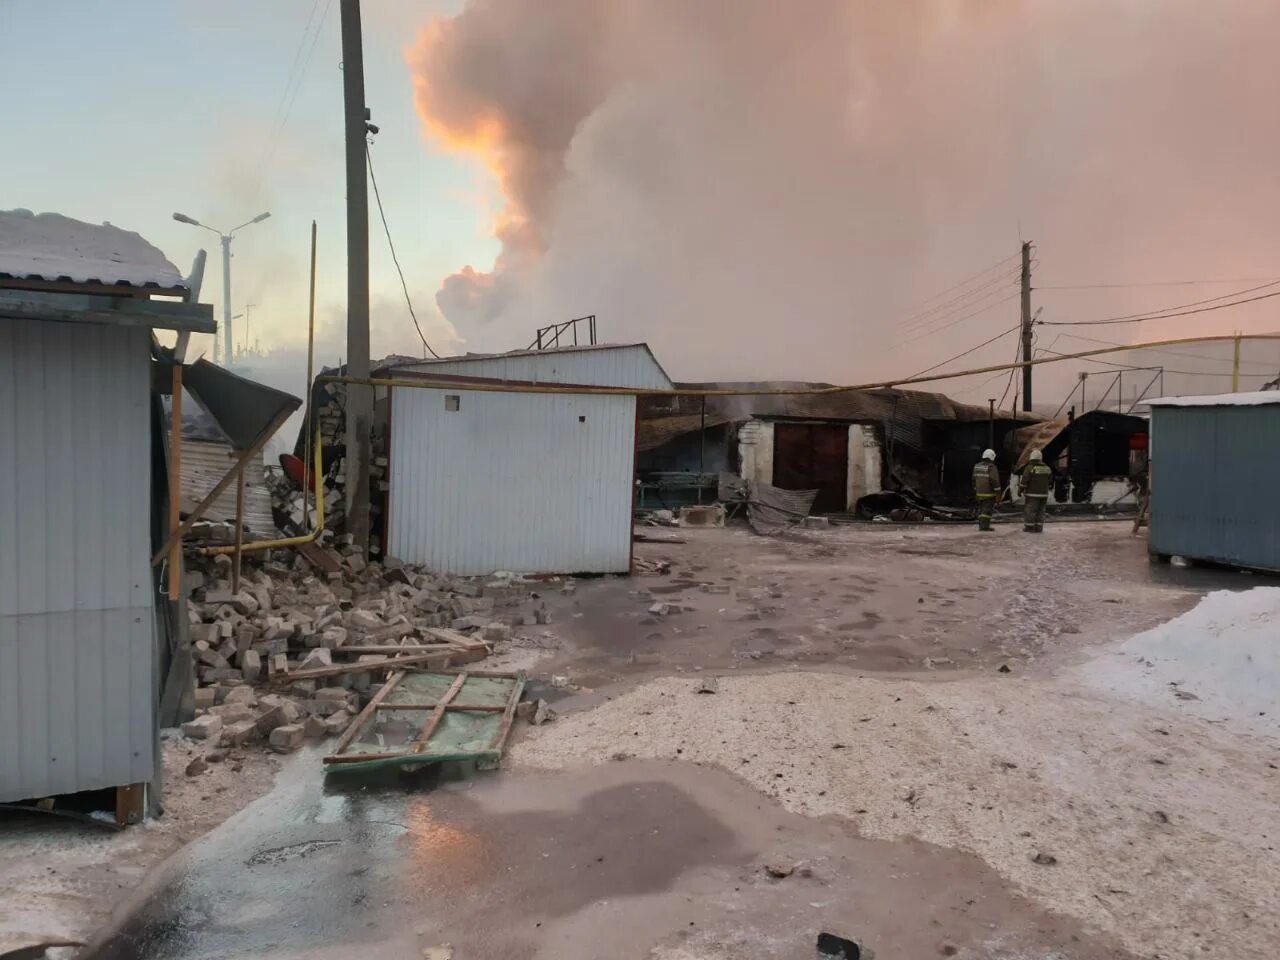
664	859
631	860
870	598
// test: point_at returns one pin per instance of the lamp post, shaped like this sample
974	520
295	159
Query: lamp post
226	277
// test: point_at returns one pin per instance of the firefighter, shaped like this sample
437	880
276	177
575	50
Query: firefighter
986	484
1037	478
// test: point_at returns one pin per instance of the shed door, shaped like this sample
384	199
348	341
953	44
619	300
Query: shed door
813	456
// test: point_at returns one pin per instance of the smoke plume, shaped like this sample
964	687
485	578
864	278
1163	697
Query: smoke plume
765	189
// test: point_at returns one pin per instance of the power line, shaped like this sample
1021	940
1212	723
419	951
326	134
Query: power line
1171	353
956	286
395	259
294	84
1165	313
1013	372
1157	283
955	304
947	326
967	352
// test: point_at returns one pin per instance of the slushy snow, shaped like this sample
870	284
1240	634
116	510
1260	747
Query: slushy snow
1220	660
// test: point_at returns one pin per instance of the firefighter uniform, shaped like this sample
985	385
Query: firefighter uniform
1037	478
986	484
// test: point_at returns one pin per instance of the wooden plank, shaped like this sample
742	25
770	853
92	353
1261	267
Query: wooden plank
437	714
393	663
460	707
454	638
358	724
175	484
386	648
322	559
123	311
130	803
509	714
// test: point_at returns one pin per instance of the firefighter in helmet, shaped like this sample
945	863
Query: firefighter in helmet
986	485
1037	478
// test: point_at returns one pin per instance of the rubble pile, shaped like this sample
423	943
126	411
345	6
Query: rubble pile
287	499
296	651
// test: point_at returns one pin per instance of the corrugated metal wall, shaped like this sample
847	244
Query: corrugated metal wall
76	626
204	463
521	482
621	366
1213	484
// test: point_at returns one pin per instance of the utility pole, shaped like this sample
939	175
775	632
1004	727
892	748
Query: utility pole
227	354
1026	324
359	396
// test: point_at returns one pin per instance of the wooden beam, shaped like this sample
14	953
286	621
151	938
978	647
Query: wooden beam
509	714
239	552
391	648
451	707
437	714
392	663
356	725
130	806
116	311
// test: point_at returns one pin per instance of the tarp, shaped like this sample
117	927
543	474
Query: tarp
770	509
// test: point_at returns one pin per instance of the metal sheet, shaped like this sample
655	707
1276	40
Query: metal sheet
244	409
629	365
76	623
1213	478
532	483
204	464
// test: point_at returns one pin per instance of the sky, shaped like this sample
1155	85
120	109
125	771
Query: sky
758	189
132	111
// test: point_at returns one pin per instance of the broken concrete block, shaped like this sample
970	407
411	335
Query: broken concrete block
205	697
269	648
314	727
251	665
226	629
209	656
217	596
278	715
662	609
287	738
230	713
332	637
261	594
243	695
365	620
333	693
245	638
355	562
542	713
244	603
323	708
206	633
319	657
469	623
240	732
336	724
495	631
279	663
207	727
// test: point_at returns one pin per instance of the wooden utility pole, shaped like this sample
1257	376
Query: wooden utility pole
359	396
1026	324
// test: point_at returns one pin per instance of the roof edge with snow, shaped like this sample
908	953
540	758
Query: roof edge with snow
1253	399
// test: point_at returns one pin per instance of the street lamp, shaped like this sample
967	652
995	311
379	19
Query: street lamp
226	276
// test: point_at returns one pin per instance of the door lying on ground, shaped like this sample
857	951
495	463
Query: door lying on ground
813	456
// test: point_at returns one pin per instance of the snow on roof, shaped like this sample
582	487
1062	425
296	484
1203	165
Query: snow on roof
51	247
1256	398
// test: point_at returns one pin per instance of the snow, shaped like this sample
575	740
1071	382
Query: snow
1220	660
1253	399
49	246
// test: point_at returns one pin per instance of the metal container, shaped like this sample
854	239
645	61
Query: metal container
1215	472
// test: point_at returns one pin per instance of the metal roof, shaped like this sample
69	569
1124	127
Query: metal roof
1253	399
51	248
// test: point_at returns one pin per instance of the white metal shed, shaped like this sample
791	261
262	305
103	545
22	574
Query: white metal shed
527	482
77	623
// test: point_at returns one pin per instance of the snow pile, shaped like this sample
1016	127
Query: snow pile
50	246
1220	660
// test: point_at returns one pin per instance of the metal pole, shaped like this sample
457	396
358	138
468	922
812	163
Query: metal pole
311	355
235	565
1026	324
226	300
1119	391
991	423
359	396
1235	367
